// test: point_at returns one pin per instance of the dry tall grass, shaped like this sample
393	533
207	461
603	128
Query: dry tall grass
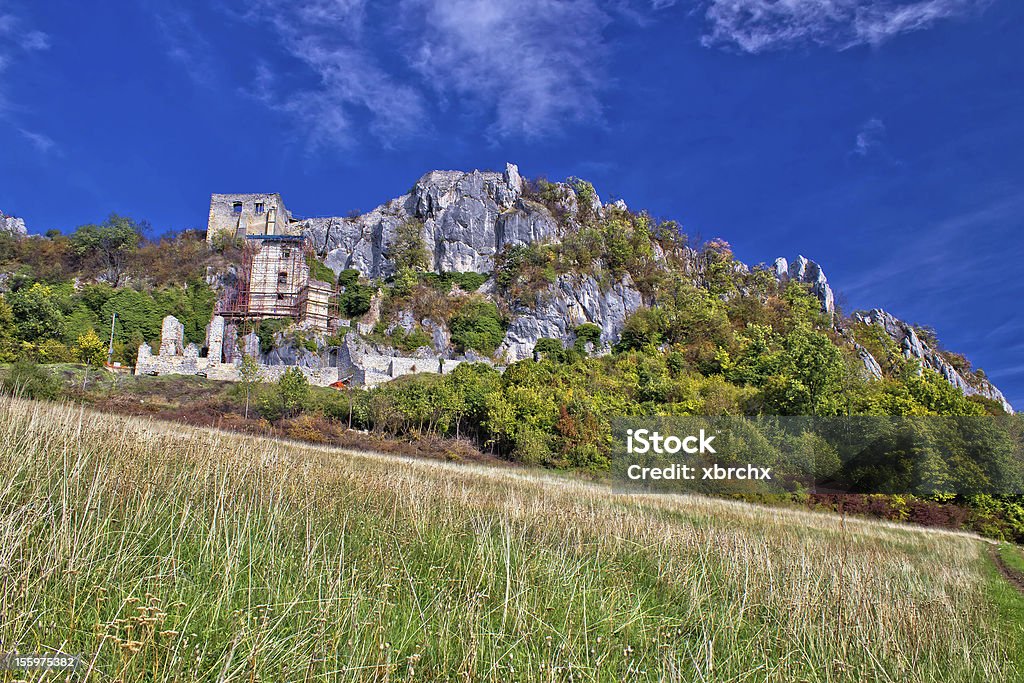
164	553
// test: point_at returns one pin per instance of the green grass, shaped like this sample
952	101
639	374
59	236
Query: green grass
1008	603
1012	558
164	553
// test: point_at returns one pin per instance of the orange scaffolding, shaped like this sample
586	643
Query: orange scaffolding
270	279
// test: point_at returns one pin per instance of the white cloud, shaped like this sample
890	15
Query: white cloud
534	65
16	39
345	82
869	137
760	25
43	143
340	67
35	40
185	43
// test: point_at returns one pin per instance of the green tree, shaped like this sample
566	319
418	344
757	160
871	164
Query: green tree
548	348
348	277
90	349
644	328
409	250
78	321
404	280
249	377
292	392
472	383
587	333
109	243
477	325
138	317
37	313
95	295
8	332
356	299
191	304
811	374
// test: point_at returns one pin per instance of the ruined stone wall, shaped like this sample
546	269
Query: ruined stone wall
172	337
215	339
372	369
355	363
314	303
273	219
149	364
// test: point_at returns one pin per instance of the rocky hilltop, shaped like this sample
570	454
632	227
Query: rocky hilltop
467	220
12	225
911	345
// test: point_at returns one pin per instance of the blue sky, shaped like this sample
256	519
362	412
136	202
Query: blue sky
882	138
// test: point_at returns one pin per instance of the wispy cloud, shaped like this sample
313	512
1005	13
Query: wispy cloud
943	268
35	40
760	25
43	143
185	43
869	137
345	81
17	40
339	68
536	65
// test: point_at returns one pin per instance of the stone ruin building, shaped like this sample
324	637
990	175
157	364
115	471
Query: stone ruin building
240	215
273	280
352	364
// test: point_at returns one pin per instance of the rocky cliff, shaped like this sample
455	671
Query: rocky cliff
466	219
571	301
810	273
912	346
12	225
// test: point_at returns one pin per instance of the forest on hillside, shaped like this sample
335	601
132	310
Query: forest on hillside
715	339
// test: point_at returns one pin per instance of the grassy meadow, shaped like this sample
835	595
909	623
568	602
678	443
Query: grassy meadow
166	553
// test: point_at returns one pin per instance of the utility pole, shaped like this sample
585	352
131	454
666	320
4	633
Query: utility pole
110	349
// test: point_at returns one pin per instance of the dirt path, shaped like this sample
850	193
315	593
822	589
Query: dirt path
1013	577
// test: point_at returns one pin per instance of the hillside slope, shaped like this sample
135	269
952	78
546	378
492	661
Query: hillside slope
558	257
165	553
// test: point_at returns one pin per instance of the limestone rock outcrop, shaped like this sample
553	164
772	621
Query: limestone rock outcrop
571	301
807	271
12	225
466	219
912	346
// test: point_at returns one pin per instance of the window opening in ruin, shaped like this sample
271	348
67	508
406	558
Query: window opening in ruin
286	253
237	207
259	207
282	277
